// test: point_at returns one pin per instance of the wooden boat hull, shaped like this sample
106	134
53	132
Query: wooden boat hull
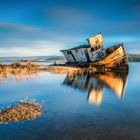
115	60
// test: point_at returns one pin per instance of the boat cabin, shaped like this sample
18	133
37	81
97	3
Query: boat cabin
92	52
76	54
96	40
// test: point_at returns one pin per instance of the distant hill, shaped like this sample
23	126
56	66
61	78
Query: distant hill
32	59
134	57
131	58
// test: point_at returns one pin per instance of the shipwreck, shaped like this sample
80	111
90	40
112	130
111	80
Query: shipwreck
96	57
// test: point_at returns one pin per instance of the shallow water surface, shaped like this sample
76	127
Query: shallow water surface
88	107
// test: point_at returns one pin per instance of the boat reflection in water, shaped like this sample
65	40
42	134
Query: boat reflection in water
17	77
95	84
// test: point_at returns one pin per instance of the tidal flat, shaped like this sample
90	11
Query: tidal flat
74	106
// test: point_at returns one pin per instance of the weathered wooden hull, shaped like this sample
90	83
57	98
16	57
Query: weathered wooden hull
116	59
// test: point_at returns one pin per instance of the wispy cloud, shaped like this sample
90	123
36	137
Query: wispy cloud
25	40
69	16
23	27
131	43
32	48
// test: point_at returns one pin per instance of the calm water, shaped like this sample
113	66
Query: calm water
87	107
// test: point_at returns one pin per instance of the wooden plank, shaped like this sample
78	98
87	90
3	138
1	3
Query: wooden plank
118	54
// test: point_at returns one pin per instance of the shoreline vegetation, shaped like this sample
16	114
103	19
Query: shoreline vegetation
16	68
29	68
20	70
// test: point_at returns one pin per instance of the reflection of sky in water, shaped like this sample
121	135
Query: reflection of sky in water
70	115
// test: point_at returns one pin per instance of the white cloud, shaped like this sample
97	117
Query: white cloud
36	48
23	27
26	40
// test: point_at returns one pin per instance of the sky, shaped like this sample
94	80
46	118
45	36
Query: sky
44	27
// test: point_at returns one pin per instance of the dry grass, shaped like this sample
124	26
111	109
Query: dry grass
21	71
19	68
24	110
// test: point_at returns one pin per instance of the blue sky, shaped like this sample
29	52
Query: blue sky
43	27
